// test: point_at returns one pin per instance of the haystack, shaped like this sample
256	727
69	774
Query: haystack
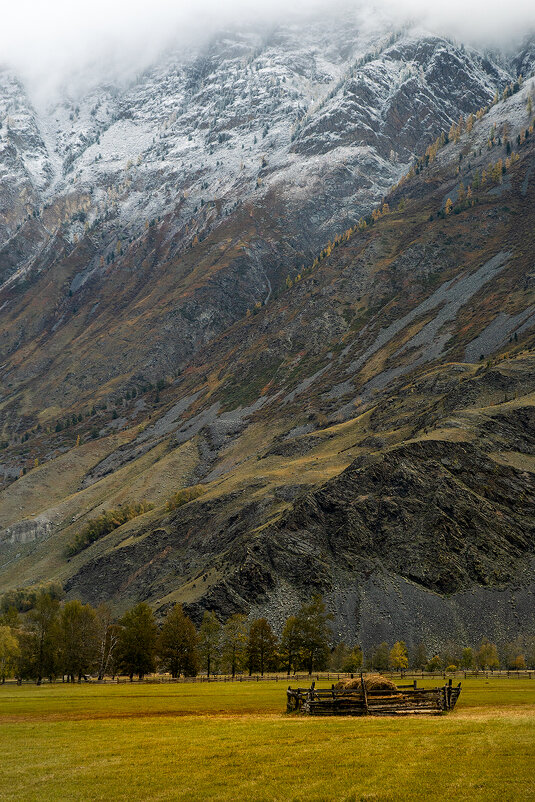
348	684
373	682
376	682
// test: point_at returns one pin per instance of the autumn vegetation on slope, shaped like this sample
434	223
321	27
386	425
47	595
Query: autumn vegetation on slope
105	523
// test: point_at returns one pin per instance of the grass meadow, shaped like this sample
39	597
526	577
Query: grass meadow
233	741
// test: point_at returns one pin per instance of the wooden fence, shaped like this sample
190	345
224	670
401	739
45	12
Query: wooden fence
316	677
401	701
332	676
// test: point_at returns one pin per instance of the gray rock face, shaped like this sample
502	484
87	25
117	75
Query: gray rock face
379	607
417	541
396	101
524	62
26	532
421	510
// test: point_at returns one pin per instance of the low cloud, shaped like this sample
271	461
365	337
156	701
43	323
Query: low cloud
491	22
57	42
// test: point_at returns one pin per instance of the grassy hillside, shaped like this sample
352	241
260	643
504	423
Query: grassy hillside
408	343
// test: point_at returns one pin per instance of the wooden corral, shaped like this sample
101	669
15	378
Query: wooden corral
361	701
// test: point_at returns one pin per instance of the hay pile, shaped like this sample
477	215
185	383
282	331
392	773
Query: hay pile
348	685
373	682
376	682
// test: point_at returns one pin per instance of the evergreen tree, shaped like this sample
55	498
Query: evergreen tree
234	643
209	641
419	656
39	639
353	661
314	631
137	641
380	657
339	654
77	639
290	648
261	646
177	644
467	658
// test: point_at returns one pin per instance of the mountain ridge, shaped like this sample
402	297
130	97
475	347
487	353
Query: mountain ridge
350	373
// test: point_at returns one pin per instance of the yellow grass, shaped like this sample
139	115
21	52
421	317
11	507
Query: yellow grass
234	742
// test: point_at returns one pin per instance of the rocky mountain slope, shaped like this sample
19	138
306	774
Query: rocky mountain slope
163	210
354	411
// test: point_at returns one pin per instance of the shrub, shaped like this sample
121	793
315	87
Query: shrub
104	524
435	664
182	497
24	599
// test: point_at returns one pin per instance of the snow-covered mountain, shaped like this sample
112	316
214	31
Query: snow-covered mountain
324	111
174	202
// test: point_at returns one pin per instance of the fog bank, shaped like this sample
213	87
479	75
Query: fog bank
57	42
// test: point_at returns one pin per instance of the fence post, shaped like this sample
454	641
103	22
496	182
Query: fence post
364	693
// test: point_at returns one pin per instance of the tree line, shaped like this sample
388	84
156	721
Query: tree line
41	637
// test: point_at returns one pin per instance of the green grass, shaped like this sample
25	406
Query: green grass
233	742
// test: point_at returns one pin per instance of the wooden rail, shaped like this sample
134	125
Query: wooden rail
405	700
322	676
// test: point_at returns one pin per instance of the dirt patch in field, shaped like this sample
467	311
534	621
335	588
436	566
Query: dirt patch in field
57	717
470	713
